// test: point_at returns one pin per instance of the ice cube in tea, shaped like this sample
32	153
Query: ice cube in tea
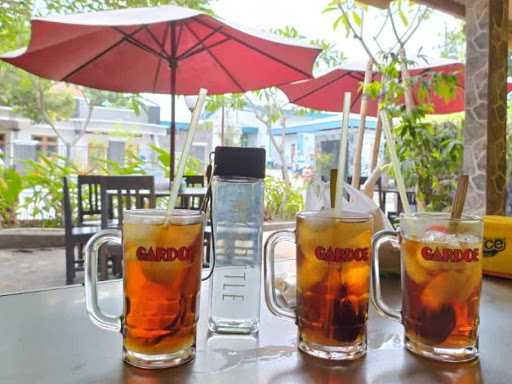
333	279
442	280
161	286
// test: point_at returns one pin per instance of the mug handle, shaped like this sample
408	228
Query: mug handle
376	297
269	274
92	248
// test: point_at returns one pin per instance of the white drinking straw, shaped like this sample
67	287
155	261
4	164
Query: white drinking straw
342	160
194	122
394	161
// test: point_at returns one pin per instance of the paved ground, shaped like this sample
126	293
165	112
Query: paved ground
29	269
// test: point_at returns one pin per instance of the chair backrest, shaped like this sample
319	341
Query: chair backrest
194	181
362	179
124	192
67	211
88	196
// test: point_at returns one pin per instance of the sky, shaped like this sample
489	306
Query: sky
307	17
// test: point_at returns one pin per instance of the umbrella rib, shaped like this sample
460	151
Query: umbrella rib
356	99
160	44
130	39
239	41
353	75
157	73
179	36
320	87
166	35
202	49
198	44
90	61
218	62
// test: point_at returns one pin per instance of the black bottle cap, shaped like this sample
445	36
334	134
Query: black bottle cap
240	162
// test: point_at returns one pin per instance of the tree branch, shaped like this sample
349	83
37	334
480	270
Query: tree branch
395	31
377	35
421	12
84	125
378	44
413	31
44	113
356	35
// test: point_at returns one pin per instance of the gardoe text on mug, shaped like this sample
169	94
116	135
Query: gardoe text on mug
165	254
341	254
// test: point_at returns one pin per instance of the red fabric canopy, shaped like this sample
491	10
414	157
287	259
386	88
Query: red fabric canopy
325	92
161	50
132	50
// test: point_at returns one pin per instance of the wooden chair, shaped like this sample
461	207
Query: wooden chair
89	199
124	192
194	181
74	236
117	194
192	202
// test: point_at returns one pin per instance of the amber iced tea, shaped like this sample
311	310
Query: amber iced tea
333	269
161	287
441	260
442	283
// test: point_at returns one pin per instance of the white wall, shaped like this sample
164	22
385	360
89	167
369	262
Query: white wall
98	131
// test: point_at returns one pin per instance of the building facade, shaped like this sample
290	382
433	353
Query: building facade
314	143
111	134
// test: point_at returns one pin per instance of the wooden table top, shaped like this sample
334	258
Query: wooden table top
48	338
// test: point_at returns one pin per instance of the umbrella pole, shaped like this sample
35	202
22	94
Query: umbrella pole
173	125
172	66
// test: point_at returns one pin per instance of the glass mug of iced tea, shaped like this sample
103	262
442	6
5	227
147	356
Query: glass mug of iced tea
162	278
441	263
333	277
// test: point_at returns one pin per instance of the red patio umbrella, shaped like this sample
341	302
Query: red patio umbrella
160	50
324	92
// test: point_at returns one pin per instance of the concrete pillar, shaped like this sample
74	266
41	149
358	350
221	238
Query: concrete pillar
486	105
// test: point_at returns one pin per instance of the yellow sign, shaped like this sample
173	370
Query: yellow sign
497	259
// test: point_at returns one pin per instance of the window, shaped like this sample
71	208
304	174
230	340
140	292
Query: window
96	156
46	145
2	143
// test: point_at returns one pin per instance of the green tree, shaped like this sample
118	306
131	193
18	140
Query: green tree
454	43
226	103
11	186
270	106
14	23
66	6
430	153
42	100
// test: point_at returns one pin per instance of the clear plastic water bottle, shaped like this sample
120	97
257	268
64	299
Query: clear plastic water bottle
237	217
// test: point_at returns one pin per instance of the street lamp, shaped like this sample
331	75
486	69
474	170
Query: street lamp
191	101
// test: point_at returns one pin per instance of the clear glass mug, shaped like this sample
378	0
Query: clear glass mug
441	268
333	277
162	283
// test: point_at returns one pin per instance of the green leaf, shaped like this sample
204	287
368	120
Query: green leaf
338	21
403	17
357	18
330	8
